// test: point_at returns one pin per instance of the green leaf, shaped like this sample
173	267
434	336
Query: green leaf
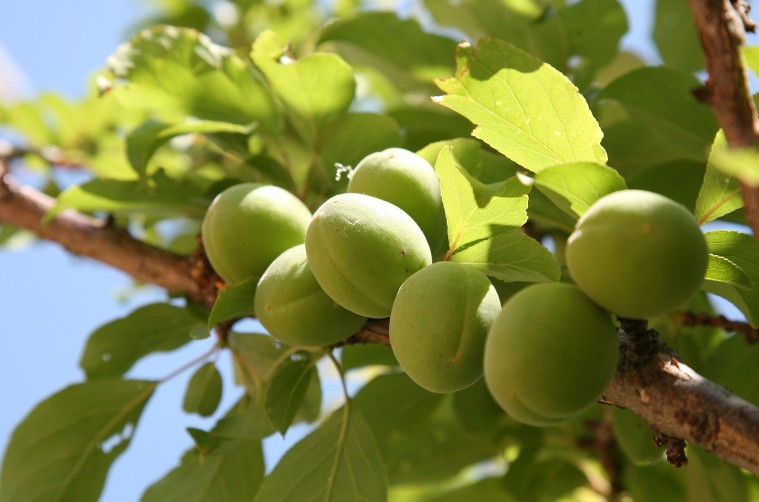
178	72
258	355
634	437
722	270
538	119
315	89
203	392
423	55
742	163
662	99
510	256
161	196
338	461
720	193
733	365
286	391
474	211
114	347
675	35
356	356
234	301
63	449
143	141
574	187
739	249
246	420
709	478
229	474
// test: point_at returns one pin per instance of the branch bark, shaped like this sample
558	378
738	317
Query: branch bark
722	26
674	399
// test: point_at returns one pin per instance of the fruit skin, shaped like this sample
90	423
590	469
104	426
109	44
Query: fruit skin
248	225
403	178
293	307
439	323
550	354
638	254
361	249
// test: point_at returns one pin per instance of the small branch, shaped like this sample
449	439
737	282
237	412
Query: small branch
720	321
722	25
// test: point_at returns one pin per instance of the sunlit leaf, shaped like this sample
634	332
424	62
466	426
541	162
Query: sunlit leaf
338	461
742	163
474	211
574	187
510	256
65	446
522	107
114	347
315	89
179	72
720	193
738	249
203	392
722	270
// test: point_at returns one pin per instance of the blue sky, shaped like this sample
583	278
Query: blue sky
51	301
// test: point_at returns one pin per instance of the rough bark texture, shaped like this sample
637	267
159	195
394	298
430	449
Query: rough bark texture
722	26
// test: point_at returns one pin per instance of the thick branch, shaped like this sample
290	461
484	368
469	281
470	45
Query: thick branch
722	25
678	402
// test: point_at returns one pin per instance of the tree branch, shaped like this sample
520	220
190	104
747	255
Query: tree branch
670	396
722	26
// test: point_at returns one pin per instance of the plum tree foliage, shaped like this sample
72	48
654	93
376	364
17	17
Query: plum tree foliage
527	203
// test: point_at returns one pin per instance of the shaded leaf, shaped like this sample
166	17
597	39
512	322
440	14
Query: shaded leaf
355	356
574	187
709	478
739	249
64	447
338	461
180	72
510	256
286	391
720	192
538	119
232	473
203	392
635	437
234	301
114	347
424	55
661	98
675	35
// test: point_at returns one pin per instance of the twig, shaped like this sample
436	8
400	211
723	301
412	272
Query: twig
720	321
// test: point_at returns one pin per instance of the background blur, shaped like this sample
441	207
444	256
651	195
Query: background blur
51	301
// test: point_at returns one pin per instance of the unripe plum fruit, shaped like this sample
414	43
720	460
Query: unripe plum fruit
361	249
248	225
293	307
439	323
550	354
638	254
407	180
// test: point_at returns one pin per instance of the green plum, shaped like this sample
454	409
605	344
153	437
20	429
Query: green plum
439	323
549	354
638	254
361	249
407	180
293	307
248	225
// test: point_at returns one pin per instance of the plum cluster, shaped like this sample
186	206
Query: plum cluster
546	354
